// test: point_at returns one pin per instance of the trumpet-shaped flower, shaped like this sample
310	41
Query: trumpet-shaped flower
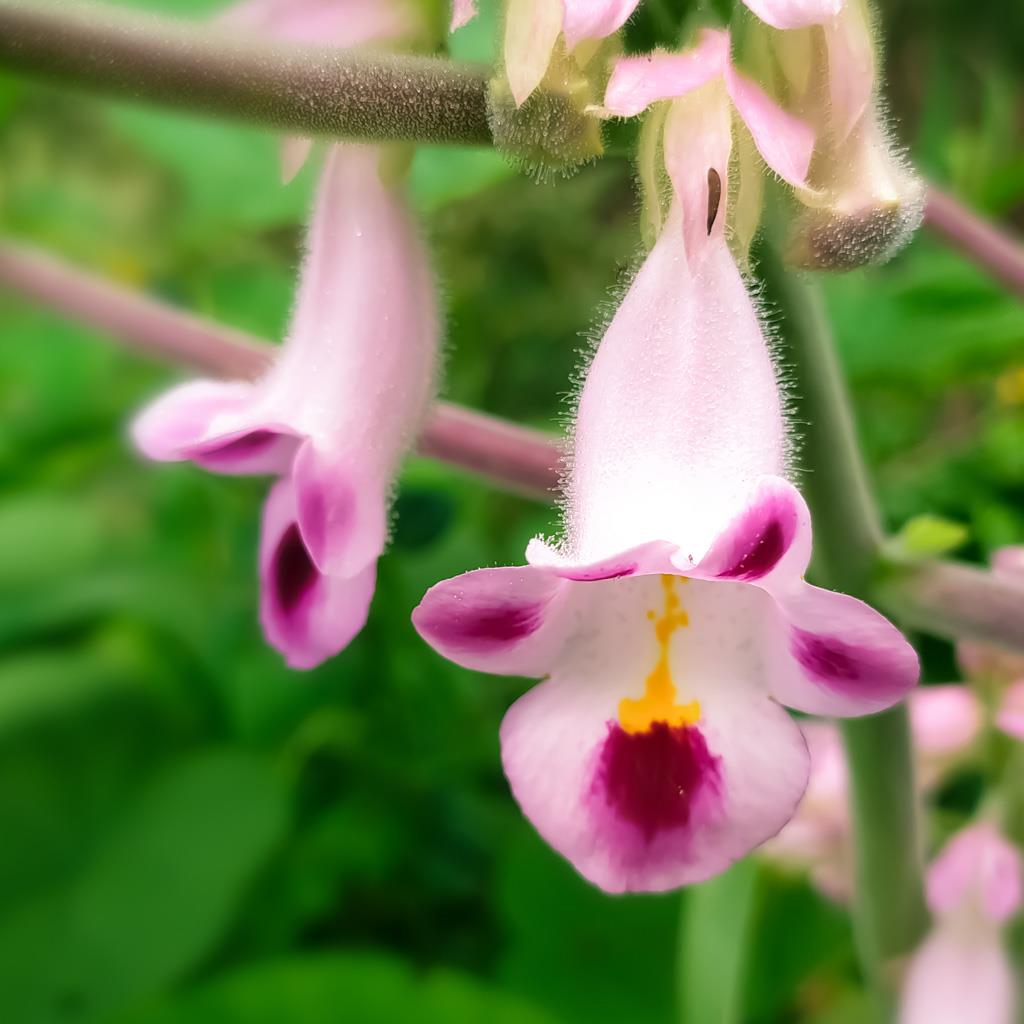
945	723
333	415
962	972
706	89
673	620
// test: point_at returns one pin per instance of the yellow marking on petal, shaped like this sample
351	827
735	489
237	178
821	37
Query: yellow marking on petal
658	704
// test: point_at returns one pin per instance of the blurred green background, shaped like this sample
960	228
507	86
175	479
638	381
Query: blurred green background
188	831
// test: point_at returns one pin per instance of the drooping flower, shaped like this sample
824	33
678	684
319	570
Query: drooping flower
945	723
961	972
333	415
341	23
864	202
698	134
673	619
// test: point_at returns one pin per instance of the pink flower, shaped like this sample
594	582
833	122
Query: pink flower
1010	715
533	29
334	414
706	90
790	14
961	972
673	619
863	202
945	723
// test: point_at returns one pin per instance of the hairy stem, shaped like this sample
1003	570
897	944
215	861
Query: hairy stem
208	68
950	600
889	911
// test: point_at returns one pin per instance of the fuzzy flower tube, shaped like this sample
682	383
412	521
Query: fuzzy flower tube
672	621
962	972
333	416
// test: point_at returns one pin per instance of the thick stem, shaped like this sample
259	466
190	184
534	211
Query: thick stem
520	459
305	90
987	245
889	908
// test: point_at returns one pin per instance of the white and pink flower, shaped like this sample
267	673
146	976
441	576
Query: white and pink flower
962	972
673	620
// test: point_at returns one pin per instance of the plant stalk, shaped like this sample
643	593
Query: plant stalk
889	910
211	69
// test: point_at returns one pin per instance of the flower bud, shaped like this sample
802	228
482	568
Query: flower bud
863	201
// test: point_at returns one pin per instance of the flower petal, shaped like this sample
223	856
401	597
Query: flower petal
785	142
463	11
978	869
1010	716
851	68
594	19
531	29
830	654
794	13
953	979
306	615
216	425
509	621
667	805
637	82
945	720
771	536
341	512
344	23
672	431
295	152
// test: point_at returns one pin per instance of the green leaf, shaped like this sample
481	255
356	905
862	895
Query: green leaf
365	988
156	897
928	536
588	956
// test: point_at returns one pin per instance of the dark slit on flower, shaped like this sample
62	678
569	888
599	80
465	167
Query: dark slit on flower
714	196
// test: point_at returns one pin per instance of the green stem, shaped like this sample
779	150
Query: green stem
889	913
211	69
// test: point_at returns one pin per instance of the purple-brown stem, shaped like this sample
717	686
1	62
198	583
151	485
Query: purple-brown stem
984	243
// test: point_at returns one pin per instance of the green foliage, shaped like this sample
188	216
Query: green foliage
192	833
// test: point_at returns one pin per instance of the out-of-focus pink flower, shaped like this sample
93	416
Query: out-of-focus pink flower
705	89
1010	714
334	414
341	23
673	619
989	662
961	972
945	723
790	14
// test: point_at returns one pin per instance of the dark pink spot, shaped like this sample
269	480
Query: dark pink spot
244	446
293	571
758	553
842	666
486	628
653	779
